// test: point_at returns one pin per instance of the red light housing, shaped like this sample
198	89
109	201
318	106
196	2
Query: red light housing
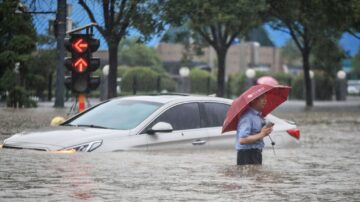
294	132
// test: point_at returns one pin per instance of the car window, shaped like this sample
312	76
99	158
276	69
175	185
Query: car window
213	114
117	114
181	117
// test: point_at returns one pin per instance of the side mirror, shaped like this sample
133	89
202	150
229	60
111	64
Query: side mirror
161	127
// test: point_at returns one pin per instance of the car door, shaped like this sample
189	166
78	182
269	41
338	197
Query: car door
212	118
186	134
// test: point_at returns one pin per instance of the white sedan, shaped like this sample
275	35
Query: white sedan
146	123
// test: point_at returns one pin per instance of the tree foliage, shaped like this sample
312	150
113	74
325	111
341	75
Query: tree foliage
17	36
218	22
308	23
327	57
42	65
290	53
17	42
356	63
117	18
133	53
259	34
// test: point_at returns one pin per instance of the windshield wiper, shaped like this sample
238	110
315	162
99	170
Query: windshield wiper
90	125
67	124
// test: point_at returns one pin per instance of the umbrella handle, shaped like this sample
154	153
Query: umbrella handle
272	144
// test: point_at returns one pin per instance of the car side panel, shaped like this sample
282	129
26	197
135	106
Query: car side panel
220	141
124	143
178	140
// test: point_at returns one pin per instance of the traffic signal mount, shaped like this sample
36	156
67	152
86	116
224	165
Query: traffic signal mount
81	63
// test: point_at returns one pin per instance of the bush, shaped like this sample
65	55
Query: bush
18	97
283	78
167	83
200	81
146	80
324	86
297	88
237	84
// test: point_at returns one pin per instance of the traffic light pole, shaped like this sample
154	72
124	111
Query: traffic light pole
81	101
60	35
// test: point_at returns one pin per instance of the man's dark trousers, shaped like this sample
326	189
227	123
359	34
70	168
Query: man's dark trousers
249	156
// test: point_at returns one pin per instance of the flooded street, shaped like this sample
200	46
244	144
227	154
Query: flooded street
325	167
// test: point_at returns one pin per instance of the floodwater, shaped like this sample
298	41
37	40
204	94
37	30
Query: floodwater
325	167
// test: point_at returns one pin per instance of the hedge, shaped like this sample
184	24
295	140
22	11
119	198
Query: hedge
144	79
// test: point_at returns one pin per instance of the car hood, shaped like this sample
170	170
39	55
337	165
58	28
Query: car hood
60	137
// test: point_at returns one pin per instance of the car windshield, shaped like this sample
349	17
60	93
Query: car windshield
119	114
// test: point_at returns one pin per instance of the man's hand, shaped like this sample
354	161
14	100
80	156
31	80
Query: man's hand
265	131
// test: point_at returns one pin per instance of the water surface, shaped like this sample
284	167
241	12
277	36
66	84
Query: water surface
325	167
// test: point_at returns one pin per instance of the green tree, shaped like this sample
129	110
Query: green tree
42	66
17	36
307	22
17	41
290	53
327	57
218	22
343	15
260	35
132	53
192	42
117	18
356	63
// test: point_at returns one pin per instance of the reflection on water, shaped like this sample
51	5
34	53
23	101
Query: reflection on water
325	168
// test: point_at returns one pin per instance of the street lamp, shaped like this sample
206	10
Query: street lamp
341	86
341	74
312	80
17	72
311	73
105	70
184	73
104	83
250	75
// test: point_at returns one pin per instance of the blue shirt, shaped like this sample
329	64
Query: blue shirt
250	123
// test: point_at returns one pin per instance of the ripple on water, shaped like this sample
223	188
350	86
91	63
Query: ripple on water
324	168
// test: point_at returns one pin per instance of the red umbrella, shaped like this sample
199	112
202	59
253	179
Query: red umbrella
275	95
267	80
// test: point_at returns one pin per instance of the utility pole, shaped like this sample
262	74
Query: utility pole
60	36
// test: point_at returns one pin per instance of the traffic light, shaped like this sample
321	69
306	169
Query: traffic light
81	63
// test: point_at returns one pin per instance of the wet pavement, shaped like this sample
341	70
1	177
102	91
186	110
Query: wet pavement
325	167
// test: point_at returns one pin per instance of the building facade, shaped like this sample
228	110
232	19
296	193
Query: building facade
239	57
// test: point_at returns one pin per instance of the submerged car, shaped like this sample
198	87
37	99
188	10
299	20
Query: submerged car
146	123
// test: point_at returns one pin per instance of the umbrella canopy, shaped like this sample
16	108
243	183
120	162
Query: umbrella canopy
267	80
275	95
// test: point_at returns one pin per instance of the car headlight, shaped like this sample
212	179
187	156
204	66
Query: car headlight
86	147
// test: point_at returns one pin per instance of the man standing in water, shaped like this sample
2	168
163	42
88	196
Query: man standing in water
251	130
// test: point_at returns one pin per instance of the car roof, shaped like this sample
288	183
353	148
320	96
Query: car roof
164	99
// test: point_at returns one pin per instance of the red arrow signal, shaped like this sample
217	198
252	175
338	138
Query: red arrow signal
80	45
80	65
